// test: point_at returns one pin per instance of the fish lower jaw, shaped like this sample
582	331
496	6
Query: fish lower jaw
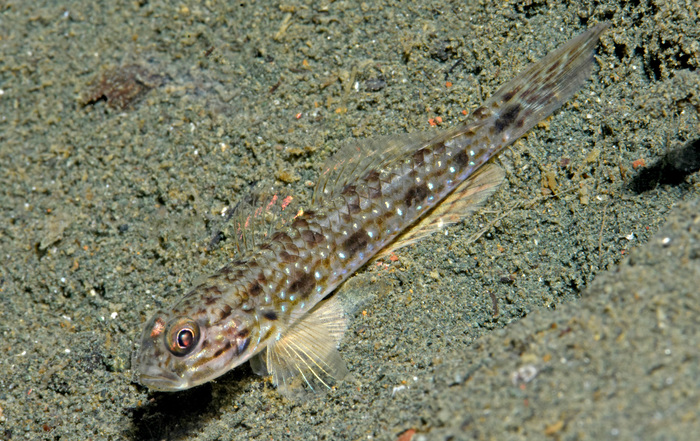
161	384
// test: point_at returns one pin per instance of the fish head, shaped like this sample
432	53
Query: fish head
185	346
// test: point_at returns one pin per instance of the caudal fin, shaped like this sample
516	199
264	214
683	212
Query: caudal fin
543	87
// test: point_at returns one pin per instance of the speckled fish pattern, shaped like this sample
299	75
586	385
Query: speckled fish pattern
269	293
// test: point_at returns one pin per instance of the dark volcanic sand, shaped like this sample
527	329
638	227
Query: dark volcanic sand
108	207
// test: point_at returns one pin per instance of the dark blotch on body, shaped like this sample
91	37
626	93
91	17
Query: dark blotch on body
481	112
554	66
415	194
461	159
285	257
291	248
509	95
355	243
439	149
507	117
213	289
387	217
300	223
254	289
348	190
269	314
312	237
419	157
372	175
303	285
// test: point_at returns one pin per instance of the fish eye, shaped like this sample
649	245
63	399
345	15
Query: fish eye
182	336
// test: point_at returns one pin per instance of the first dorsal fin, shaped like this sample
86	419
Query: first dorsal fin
253	219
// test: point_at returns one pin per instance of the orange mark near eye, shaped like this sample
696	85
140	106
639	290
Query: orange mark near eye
638	163
157	328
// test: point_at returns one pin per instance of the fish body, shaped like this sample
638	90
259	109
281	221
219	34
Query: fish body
273	302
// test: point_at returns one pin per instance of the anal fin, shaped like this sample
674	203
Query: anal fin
467	198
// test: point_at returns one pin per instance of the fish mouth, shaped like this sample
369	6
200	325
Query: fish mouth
162	382
150	375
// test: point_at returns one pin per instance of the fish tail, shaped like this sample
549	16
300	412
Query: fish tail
542	88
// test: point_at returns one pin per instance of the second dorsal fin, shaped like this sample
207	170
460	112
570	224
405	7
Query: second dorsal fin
358	157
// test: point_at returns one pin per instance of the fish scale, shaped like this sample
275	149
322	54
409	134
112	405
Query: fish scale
272	305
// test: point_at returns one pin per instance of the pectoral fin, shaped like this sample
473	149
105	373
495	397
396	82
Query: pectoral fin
305	357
